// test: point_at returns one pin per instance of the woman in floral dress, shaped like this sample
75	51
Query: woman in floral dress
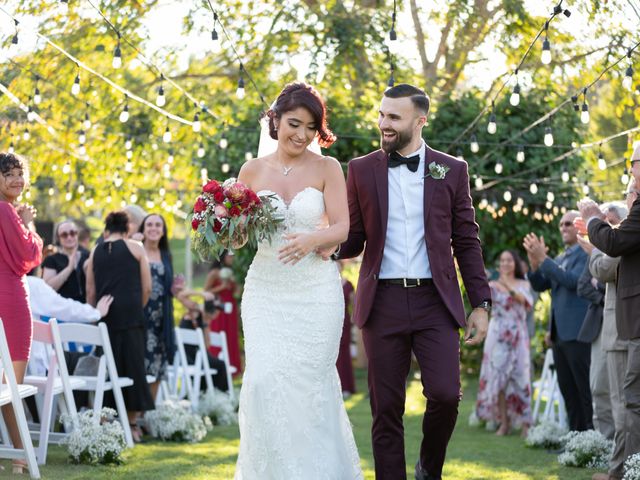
504	391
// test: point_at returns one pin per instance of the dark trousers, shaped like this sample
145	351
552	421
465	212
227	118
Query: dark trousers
573	360
405	320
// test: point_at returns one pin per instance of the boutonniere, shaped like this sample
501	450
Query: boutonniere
437	171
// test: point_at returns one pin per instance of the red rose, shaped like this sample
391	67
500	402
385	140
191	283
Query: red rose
235	211
217	226
195	224
254	197
211	187
200	206
218	196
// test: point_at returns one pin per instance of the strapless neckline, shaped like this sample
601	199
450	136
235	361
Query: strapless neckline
293	199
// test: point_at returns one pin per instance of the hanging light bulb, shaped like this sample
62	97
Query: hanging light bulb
550	197
82	150
240	92
66	168
166	137
478	183
133	198
31	115
515	96
498	168
533	188
214	35
117	180
546	47
117	56
602	163
520	154
492	127
585	188
87	121
565	176
170	158
223	143
81	189
627	82
474	146
200	153
129	154
26	135
82	138
224	168
162	191
128	167
128	144
51	191
625	177
11	148
124	114
507	196
548	137
584	115
161	100
37	98
459	154
75	88
204	175
248	156
68	196
196	125
392	81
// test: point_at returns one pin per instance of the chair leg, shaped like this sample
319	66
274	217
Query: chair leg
27	444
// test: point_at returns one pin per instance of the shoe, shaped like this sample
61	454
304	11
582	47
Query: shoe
18	467
421	474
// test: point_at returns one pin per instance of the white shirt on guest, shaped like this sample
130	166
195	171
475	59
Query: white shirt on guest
405	251
45	301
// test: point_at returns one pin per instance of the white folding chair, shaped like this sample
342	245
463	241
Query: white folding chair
546	389
219	340
56	382
12	393
191	374
107	377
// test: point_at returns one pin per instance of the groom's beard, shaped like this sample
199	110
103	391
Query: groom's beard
401	140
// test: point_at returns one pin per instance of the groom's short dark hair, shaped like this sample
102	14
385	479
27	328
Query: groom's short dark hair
418	97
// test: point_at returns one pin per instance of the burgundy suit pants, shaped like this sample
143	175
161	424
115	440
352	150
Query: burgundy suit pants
405	320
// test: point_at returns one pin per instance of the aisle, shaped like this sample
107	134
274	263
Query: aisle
474	454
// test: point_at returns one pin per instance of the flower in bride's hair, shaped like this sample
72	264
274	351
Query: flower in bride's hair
220	211
200	205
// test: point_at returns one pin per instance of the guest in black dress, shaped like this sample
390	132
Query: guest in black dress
119	267
64	270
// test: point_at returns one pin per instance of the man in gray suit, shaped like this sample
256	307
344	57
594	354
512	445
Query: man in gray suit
571	357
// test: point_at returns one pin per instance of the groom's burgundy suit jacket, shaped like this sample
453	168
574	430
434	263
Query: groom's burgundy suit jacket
449	225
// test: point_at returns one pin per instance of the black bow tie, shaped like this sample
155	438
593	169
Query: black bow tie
395	160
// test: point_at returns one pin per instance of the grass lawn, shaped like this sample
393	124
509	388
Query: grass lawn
473	453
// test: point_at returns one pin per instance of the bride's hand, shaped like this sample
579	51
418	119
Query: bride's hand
298	246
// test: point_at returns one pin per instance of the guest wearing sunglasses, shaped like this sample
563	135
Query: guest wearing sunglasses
572	357
64	271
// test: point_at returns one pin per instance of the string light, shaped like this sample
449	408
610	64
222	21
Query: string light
392	80
128	166
625	177
37	98
196	125
533	188
474	146
520	155
602	163
507	196
627	82
550	197
66	168
200	153
459	154
492	127
584	115
82	150
31	115
161	100
166	137
224	168
82	138
26	135
478	183
11	148
117	55
585	188
128	144
124	115
514	100
223	143
14	40
87	121
75	88
546	47
548	136
498	168
214	34
248	156
240	92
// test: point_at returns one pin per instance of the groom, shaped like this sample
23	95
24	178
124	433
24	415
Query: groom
411	206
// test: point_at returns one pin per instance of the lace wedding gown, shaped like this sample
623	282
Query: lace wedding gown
293	424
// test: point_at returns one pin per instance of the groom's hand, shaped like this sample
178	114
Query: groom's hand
325	253
478	320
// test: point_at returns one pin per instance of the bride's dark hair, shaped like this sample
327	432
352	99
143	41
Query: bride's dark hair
296	95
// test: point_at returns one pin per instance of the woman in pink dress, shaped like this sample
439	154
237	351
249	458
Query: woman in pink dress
504	391
220	282
20	252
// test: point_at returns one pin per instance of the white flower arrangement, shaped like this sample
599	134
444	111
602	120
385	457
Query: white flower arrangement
632	467
174	421
219	407
545	435
474	421
437	171
96	438
588	449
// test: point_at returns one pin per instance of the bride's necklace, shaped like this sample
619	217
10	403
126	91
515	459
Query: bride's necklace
286	170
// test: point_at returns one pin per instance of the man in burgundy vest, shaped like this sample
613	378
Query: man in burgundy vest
414	215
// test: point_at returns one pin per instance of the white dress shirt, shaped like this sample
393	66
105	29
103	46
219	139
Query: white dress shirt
45	301
405	251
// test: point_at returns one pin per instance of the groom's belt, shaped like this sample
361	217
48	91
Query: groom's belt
407	282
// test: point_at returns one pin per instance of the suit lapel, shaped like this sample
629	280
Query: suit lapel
380	173
429	187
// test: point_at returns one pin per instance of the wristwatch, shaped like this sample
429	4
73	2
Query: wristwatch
485	305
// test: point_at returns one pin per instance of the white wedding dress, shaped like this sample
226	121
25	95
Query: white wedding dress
293	423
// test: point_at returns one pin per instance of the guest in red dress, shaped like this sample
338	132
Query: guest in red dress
220	282
344	365
20	252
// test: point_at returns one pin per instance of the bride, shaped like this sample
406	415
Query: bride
293	423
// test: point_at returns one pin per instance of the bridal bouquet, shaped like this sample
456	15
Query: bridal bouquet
96	438
228	216
588	449
219	407
173	421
